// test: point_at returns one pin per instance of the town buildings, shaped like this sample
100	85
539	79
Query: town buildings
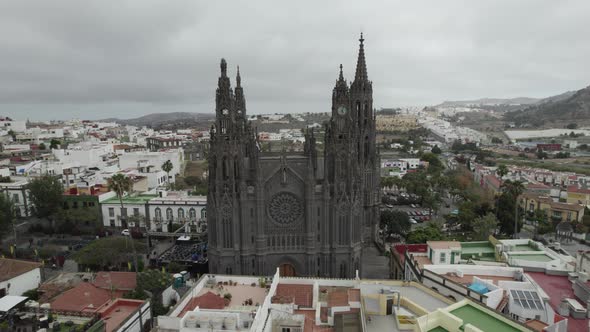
277	303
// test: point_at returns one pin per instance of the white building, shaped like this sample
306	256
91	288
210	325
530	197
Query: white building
156	159
178	208
17	191
17	276
8	124
86	154
160	210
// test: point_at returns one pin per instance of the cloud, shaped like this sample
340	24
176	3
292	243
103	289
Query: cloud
60	58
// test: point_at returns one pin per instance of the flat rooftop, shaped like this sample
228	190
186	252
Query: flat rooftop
480	319
415	294
467	279
559	287
140	199
117	312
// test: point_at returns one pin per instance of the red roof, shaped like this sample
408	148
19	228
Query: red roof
575	189
116	280
338	298
117	311
412	248
85	297
208	300
302	295
558	288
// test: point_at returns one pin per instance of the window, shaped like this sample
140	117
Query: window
443	257
169	215
123	212
111	212
158	213
569	216
112	222
286	329
15	198
192	214
136	212
75	205
204	214
180	213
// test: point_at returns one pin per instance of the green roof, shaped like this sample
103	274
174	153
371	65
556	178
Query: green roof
140	199
472	315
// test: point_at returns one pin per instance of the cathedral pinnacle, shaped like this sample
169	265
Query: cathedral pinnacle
223	66
341	77
361	66
238	78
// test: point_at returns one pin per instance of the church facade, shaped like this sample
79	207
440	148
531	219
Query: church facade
307	212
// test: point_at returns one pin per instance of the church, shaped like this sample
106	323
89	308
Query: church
307	213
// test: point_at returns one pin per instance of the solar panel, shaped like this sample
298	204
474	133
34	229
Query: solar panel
527	299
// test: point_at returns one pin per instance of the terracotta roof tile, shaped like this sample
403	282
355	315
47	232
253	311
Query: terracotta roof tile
302	295
85	297
338	298
11	268
117	280
208	300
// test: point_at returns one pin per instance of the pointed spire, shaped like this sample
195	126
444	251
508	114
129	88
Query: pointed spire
361	66
223	66
341	77
238	78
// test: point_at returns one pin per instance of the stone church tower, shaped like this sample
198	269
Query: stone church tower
305	213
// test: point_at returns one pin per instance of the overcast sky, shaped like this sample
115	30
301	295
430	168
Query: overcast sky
97	59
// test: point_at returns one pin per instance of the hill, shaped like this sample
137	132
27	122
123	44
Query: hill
557	111
169	120
490	101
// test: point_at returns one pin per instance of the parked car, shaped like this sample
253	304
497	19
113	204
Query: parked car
125	232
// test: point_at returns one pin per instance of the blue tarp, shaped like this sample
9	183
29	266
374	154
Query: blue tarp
481	289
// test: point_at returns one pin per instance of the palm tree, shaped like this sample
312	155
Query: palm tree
514	189
120	184
167	167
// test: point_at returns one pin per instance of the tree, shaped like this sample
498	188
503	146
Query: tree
572	126
107	253
54	144
502	170
167	167
120	184
395	221
484	226
434	164
46	194
7	215
436	150
429	233
42	146
508	206
12	134
542	154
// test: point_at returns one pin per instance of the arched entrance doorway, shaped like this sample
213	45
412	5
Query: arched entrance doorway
287	270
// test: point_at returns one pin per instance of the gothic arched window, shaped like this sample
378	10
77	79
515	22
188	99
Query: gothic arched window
169	215
192	214
180	213
224	169
158	213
